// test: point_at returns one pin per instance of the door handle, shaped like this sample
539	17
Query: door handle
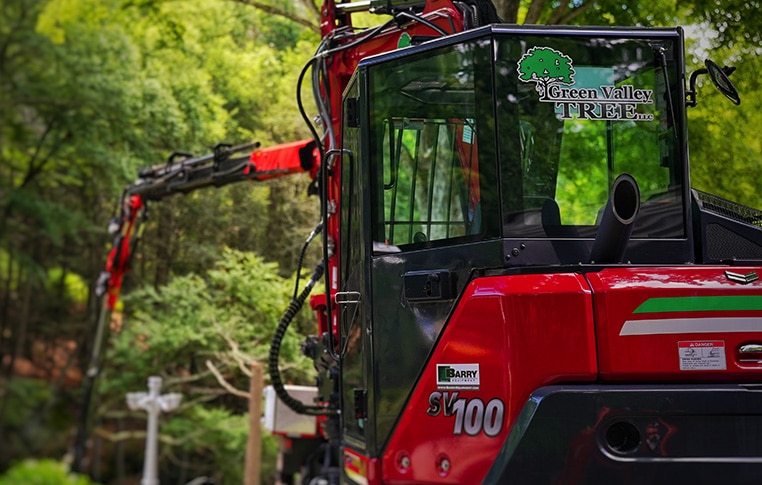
750	349
749	355
347	297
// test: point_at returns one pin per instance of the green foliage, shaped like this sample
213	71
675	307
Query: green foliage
736	22
42	472
28	428
217	436
583	179
630	13
725	153
95	89
724	147
592	12
212	436
175	329
91	90
74	288
27	395
222	320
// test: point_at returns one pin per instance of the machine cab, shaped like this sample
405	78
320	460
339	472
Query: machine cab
519	134
495	149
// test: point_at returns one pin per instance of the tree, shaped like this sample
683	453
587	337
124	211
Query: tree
725	152
588	12
42	472
309	16
736	22
69	96
545	66
201	333
91	91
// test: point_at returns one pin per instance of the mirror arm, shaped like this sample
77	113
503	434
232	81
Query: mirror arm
691	94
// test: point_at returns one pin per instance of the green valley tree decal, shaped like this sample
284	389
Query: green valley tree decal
545	66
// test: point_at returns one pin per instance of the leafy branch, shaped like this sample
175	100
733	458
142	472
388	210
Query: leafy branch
224	383
283	13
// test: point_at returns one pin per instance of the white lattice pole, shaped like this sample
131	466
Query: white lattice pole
153	403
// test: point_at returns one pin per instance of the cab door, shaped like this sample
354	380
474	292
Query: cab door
352	297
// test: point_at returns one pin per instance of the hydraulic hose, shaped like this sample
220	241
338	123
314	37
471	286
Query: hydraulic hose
275	379
303	253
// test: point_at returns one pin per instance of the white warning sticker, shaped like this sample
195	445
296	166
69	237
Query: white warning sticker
702	355
468	133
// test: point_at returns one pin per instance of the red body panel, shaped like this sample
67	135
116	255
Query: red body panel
523	332
529	331
283	159
676	324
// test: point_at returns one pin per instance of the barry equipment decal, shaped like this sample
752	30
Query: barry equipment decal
458	376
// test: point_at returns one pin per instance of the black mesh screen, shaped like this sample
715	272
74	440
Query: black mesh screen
732	210
723	244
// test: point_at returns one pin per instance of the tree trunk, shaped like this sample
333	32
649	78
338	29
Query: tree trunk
253	465
5	307
164	233
19	339
534	11
508	10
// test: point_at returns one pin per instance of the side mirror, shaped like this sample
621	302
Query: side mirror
720	78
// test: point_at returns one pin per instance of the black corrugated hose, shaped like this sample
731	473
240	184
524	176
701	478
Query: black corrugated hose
293	308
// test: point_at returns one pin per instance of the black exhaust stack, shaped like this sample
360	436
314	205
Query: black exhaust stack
616	223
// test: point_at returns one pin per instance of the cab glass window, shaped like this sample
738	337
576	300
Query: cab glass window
432	148
576	113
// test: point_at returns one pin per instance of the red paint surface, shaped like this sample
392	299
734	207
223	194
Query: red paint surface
619	291
524	332
280	160
119	257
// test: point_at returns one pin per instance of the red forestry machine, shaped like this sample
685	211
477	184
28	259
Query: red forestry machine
521	286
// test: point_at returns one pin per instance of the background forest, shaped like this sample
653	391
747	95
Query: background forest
92	90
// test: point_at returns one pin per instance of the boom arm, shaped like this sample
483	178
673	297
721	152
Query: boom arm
332	66
217	169
225	165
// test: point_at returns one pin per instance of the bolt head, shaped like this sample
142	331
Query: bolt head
443	465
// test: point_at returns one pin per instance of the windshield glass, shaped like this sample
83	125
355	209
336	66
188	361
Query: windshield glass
574	114
522	136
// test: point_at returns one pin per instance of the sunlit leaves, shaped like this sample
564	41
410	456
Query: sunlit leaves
223	319
91	90
737	22
193	318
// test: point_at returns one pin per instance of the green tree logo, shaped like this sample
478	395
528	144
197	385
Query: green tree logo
545	66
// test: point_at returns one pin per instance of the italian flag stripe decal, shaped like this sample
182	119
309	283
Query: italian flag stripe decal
686	304
700	304
691	325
